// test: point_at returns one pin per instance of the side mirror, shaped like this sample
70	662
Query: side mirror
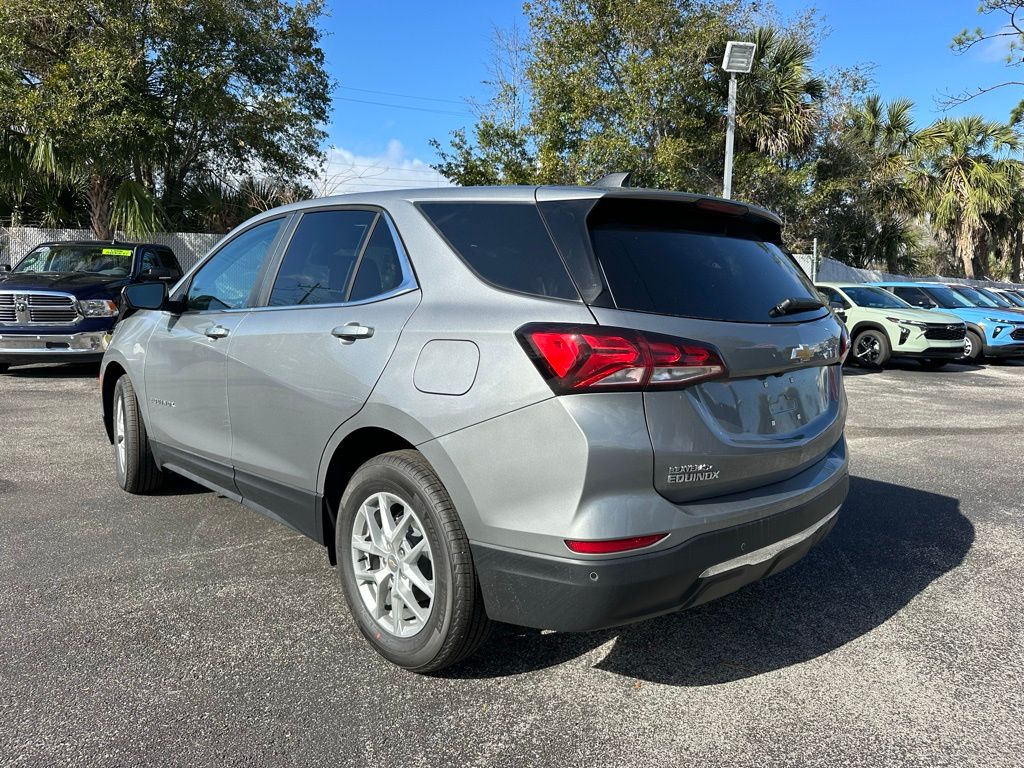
837	306
145	296
926	304
5	267
157	273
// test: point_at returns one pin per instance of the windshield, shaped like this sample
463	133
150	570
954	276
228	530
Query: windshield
947	298
1014	299
999	300
67	258
977	298
873	298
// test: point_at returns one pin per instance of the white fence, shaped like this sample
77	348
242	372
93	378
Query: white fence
15	242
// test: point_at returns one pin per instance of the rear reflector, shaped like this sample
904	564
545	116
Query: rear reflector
613	545
591	358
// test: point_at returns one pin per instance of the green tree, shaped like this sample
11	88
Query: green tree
868	193
133	100
970	175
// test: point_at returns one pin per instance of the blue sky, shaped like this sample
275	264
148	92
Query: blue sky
419	61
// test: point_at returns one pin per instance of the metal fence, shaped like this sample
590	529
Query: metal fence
830	270
15	242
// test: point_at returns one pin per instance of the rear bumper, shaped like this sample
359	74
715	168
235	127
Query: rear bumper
26	348
578	595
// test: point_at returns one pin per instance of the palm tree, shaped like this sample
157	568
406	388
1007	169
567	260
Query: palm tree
970	175
780	101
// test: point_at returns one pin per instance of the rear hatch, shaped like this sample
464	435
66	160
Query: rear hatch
714	273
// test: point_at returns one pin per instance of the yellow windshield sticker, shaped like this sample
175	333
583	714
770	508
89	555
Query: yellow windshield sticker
117	252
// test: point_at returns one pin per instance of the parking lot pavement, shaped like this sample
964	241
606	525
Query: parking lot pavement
184	630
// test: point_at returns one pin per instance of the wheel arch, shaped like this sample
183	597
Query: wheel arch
869	325
112	372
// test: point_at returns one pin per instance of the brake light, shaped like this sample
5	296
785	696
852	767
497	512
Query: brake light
722	206
613	545
590	358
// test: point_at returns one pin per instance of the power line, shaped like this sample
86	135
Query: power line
460	102
404	106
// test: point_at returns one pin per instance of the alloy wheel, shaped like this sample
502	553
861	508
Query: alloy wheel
868	349
393	564
119	435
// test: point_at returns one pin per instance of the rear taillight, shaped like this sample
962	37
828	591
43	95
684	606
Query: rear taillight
592	358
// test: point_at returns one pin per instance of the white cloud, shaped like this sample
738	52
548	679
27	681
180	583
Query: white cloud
346	171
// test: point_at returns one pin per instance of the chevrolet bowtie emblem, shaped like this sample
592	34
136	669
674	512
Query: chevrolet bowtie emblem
801	354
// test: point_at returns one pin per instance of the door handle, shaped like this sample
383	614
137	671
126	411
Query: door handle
352	331
216	332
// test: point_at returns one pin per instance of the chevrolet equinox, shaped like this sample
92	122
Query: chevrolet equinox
560	407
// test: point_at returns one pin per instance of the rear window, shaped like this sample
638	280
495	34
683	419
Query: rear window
506	244
669	259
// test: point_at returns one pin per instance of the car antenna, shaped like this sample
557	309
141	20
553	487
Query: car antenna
621	179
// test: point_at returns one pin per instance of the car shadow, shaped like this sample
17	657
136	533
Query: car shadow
55	371
890	543
914	367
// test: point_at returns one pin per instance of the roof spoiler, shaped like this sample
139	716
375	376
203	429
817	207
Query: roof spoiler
615	180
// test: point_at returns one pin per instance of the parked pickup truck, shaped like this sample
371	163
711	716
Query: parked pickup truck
59	303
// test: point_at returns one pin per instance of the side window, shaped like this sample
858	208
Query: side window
169	261
832	295
321	257
227	279
506	244
380	268
911	295
150	260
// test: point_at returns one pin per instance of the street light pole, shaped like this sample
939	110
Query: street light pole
730	137
739	58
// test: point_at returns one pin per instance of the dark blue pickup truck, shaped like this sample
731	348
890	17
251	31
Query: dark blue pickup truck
59	303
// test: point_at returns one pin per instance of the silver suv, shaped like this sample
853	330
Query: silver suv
566	408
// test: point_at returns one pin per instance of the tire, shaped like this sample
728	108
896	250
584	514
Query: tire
136	469
874	346
451	623
933	364
974	347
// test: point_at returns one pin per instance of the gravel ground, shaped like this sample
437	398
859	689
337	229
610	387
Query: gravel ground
184	630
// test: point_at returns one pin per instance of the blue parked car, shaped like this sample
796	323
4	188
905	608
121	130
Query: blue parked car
991	331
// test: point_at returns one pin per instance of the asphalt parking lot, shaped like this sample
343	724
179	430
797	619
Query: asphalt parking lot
184	630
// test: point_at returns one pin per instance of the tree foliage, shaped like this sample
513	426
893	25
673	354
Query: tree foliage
135	100
612	85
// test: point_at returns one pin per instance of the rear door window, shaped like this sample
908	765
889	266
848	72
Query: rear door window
321	258
506	244
666	259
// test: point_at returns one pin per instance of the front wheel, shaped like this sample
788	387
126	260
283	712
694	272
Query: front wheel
405	565
932	364
973	346
136	469
871	349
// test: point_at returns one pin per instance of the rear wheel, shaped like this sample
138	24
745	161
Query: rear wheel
973	346
405	565
871	349
136	469
932	364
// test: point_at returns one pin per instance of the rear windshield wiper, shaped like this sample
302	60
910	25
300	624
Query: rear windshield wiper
792	306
